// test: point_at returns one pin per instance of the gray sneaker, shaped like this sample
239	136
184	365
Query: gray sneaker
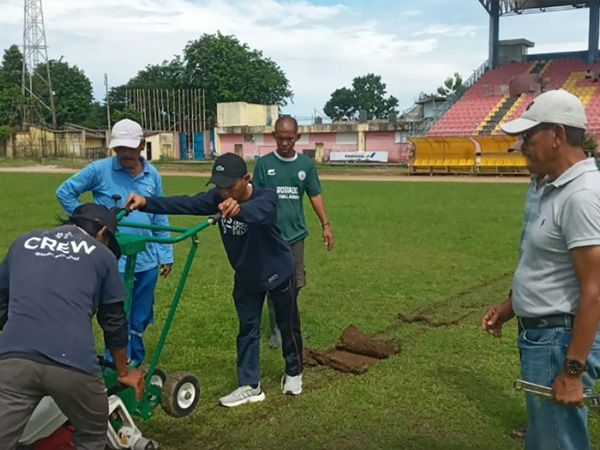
291	385
243	394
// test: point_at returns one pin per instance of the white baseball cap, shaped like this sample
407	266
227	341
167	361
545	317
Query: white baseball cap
126	133
558	106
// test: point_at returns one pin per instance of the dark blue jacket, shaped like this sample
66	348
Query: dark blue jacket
262	260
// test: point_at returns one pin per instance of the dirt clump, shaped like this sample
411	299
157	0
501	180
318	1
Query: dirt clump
355	341
355	352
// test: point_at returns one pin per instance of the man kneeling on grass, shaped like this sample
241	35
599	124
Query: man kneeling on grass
263	264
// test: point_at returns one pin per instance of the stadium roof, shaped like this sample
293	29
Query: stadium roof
512	7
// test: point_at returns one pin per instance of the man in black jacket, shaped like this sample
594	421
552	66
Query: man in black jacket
262	261
52	282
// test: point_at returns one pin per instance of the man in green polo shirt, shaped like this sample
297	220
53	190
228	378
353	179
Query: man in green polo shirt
292	175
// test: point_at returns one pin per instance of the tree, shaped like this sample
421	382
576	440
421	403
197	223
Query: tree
6	131
127	113
10	101
10	87
451	85
230	71
341	105
72	92
95	118
12	66
367	93
167	75
225	68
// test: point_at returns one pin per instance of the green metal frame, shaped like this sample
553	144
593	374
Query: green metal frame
131	245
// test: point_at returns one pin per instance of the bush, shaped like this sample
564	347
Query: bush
6	131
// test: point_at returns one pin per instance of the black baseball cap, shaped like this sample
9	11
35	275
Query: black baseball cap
228	168
104	217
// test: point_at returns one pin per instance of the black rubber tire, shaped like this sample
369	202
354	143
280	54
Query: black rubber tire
160	373
173	400
157	372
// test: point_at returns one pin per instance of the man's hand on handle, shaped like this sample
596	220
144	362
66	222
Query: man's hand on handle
496	316
229	208
135	201
134	378
129	377
568	389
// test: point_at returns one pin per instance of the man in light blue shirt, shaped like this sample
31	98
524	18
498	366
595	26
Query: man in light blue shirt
121	174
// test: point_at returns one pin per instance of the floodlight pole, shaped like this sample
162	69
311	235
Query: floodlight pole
594	31
494	58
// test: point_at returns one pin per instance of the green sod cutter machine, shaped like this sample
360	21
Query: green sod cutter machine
177	393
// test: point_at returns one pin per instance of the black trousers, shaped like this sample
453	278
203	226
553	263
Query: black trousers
249	306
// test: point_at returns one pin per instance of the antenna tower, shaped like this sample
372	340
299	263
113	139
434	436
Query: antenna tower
36	82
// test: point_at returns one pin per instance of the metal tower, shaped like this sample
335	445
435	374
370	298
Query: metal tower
36	82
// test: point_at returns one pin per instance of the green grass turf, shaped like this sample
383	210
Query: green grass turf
440	249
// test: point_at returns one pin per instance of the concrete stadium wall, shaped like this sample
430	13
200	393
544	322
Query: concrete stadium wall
262	144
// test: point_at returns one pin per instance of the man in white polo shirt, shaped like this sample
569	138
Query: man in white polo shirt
556	288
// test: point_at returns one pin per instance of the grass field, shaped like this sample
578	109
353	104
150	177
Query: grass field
441	250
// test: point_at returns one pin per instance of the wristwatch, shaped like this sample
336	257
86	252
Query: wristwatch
574	368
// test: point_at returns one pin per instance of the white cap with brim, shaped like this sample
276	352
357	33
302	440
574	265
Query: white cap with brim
126	133
559	107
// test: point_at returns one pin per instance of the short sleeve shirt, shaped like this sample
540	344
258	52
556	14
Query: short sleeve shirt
291	178
568	217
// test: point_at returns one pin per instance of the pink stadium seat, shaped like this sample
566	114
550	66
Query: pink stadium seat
465	116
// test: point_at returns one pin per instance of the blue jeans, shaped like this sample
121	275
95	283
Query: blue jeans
552	426
142	313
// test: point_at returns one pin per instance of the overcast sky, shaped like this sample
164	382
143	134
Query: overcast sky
321	44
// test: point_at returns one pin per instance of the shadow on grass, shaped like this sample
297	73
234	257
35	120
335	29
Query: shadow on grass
488	396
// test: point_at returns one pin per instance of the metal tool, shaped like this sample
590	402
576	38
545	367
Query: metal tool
591	401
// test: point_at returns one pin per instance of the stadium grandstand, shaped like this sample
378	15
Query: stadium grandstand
464	134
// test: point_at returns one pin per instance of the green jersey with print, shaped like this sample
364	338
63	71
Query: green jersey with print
291	178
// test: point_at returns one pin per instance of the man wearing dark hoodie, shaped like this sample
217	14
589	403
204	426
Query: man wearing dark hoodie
263	264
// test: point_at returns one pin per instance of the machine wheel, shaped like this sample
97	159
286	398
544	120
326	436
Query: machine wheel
146	444
159	377
180	395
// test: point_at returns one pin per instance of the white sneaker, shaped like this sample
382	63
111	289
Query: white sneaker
243	394
291	385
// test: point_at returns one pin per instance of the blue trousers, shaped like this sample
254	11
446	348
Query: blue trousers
552	426
142	313
249	306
